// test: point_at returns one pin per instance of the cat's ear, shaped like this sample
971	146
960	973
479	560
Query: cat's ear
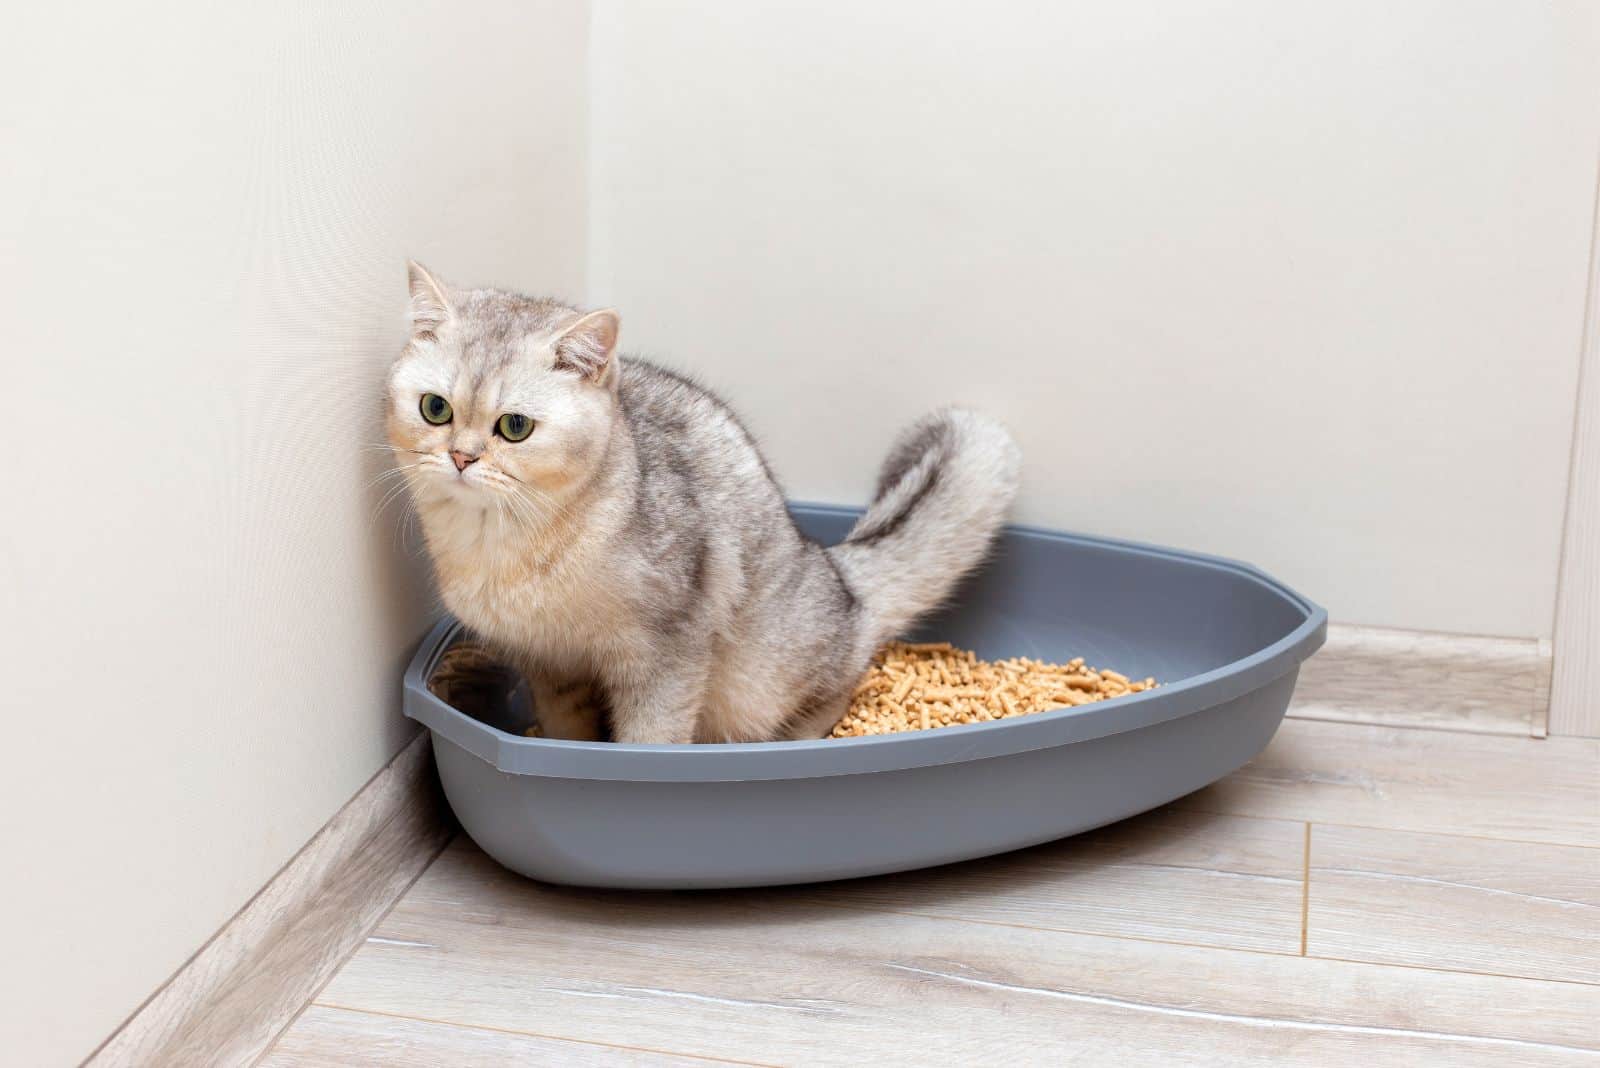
429	305
588	344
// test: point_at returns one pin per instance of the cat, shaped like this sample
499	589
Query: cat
610	528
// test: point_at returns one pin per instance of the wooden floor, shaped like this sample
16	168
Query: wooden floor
1359	894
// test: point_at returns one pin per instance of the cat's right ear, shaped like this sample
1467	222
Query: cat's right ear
429	305
586	347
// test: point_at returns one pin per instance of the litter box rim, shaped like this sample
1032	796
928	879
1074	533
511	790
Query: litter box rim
824	757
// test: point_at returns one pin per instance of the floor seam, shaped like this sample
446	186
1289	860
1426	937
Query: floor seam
1213	947
538	1034
1305	893
1396	830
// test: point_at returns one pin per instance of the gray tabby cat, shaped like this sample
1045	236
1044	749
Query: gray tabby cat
612	530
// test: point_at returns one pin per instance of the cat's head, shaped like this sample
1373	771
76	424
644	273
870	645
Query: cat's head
500	398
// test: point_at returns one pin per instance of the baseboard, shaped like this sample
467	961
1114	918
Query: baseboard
1575	701
1409	678
233	997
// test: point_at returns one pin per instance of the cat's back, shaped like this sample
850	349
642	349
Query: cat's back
685	434
659	399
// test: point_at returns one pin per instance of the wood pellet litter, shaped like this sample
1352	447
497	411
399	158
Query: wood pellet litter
917	687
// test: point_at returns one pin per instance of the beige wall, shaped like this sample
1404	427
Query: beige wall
204	211
1301	283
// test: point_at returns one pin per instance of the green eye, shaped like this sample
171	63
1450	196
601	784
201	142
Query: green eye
435	409
514	427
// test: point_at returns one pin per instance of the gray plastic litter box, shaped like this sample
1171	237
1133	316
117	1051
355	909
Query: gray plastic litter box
1224	640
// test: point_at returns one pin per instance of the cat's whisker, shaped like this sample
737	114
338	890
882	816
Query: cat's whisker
527	509
505	500
393	472
533	501
397	537
390	495
536	498
409	530
538	495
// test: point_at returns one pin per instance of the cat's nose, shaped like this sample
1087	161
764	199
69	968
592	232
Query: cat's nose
462	459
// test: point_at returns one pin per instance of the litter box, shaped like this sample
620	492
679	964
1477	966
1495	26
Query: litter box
1224	641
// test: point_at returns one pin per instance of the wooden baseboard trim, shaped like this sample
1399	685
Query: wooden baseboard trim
1575	705
1411	678
233	997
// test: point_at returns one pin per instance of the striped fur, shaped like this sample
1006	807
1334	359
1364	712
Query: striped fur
634	556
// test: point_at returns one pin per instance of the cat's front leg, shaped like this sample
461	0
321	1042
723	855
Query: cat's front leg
572	709
657	706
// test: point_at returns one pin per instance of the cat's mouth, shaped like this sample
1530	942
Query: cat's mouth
470	480
474	485
444	476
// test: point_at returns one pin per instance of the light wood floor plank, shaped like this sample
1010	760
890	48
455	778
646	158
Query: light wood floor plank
1511	908
1536	790
772	976
326	1037
1194	877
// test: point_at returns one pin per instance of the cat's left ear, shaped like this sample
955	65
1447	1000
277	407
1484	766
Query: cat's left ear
430	307
587	346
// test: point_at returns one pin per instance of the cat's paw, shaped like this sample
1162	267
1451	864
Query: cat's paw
571	710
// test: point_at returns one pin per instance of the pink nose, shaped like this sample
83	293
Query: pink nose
462	459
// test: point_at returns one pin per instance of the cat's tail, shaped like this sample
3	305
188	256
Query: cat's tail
941	498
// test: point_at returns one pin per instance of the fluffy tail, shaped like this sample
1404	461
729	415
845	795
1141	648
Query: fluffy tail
942	496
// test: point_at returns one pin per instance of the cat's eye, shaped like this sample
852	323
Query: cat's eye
435	409
514	427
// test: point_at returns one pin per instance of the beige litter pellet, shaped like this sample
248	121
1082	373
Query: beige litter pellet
922	687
